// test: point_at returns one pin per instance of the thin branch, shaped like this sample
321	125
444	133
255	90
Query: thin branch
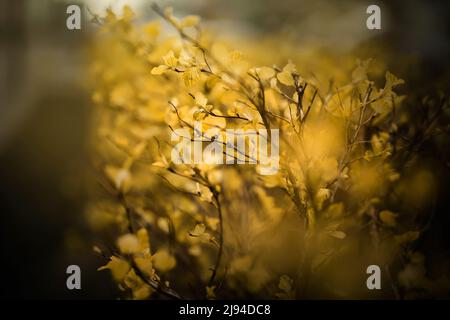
219	254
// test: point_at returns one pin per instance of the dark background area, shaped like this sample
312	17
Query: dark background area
45	112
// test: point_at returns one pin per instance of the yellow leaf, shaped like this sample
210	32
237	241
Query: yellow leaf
322	195
286	287
121	95
290	67
200	99
200	114
216	122
168	12
145	264
142	292
189	21
96	249
407	237
235	56
160	164
379	142
163	224
241	264
285	78
185	59
110	16
138	149
210	294
163	261
195	250
273	83
170	60
335	210
393	176
285	283
120	177
139	289
119	268
360	72
152	28
199	231
159	69
128	243
127	13
392	81
212	222
190	76
265	73
338	234
143	238
131	280
388	218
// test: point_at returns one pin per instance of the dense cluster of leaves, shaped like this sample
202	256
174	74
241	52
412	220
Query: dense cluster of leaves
335	206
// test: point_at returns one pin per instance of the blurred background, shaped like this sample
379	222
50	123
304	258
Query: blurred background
45	172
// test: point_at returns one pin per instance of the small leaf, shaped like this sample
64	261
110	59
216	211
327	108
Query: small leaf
388	218
286	78
286	286
170	60
338	234
285	283
119	176
119	268
407	237
159	69
160	164
190	76
200	99
128	243
200	114
189	21
210	294
392	81
265	73
199	231
163	261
